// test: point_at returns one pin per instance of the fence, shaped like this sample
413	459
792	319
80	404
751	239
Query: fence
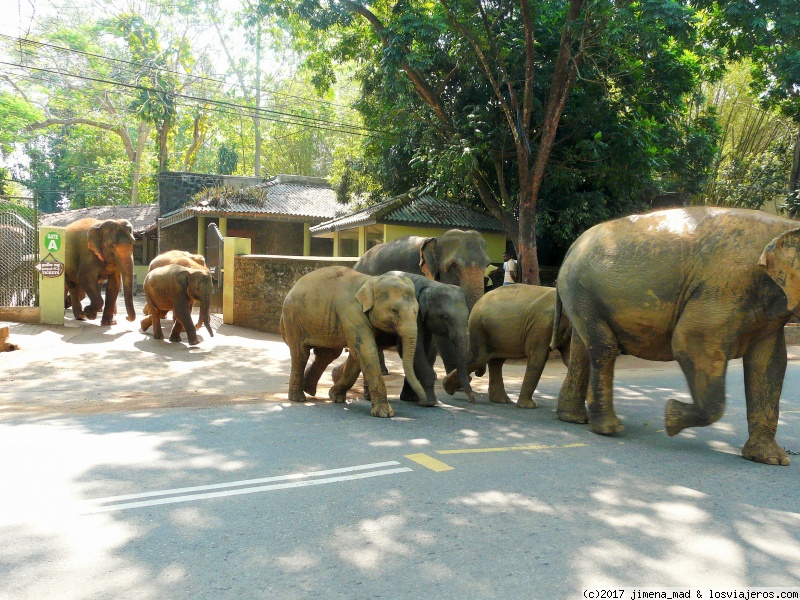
18	252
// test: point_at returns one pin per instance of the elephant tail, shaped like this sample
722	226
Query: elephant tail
554	340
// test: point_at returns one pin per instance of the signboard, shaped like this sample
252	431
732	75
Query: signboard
51	268
52	241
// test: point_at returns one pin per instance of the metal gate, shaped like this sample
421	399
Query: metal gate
18	252
215	259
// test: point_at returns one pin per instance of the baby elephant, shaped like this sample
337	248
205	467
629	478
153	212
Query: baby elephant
514	321
175	257
176	288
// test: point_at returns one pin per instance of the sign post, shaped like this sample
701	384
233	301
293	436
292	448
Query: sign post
52	250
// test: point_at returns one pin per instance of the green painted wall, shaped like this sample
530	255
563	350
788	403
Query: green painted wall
495	242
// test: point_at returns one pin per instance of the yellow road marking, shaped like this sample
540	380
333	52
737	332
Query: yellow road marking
507	449
429	462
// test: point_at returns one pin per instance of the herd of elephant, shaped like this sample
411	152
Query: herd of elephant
700	286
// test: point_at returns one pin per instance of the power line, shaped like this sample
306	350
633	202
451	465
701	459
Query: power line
27	41
301	120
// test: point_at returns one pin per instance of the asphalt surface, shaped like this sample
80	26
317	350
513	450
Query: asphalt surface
137	468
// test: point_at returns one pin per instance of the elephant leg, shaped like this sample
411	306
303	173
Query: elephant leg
177	328
322	358
497	389
704	362
346	380
537	358
764	369
91	286
75	301
382	362
447	351
572	397
603	350
299	355
366	353
156	314
110	307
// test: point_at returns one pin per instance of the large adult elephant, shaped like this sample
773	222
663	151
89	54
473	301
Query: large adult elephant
698	285
99	251
456	257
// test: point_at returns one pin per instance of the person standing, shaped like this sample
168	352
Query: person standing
510	268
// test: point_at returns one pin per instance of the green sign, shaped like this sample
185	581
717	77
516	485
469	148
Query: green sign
52	241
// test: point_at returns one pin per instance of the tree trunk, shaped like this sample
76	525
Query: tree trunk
794	176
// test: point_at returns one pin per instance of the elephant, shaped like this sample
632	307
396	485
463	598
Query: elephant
701	286
514	321
456	257
176	287
336	307
98	251
442	315
177	257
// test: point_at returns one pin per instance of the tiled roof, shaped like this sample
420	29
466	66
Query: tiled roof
423	210
143	217
283	196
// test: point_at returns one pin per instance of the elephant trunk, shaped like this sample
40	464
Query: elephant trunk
461	343
472	280
205	310
408	338
125	263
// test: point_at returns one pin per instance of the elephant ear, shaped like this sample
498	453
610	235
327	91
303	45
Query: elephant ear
182	279
366	294
94	238
427	258
781	261
422	300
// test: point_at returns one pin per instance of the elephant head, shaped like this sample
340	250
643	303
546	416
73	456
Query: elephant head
781	261
391	306
459	258
196	283
112	243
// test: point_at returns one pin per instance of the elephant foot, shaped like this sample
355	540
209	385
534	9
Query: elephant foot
527	403
145	323
767	452
450	384
499	398
108	322
310	387
194	342
384	371
297	396
470	397
158	336
337	396
90	313
676	418
409	396
607	426
381	409
176	338
429	400
572	415
130	318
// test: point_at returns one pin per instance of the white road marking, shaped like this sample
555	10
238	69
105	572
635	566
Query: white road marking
174	498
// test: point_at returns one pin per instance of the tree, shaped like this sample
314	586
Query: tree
476	91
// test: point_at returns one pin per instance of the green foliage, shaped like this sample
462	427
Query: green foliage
15	114
227	159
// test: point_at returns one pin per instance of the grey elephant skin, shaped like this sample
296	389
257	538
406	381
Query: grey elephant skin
442	314
98	251
697	285
336	307
511	322
176	287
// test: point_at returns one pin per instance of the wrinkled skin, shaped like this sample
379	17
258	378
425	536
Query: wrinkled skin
699	285
336	307
456	257
186	259
514	321
177	288
98	251
442	315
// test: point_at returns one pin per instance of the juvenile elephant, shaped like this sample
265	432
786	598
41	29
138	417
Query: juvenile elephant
98	251
514	321
698	285
176	257
177	288
442	316
336	307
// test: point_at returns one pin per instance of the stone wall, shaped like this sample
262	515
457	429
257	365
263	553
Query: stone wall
181	236
262	282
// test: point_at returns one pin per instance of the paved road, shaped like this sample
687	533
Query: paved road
133	468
